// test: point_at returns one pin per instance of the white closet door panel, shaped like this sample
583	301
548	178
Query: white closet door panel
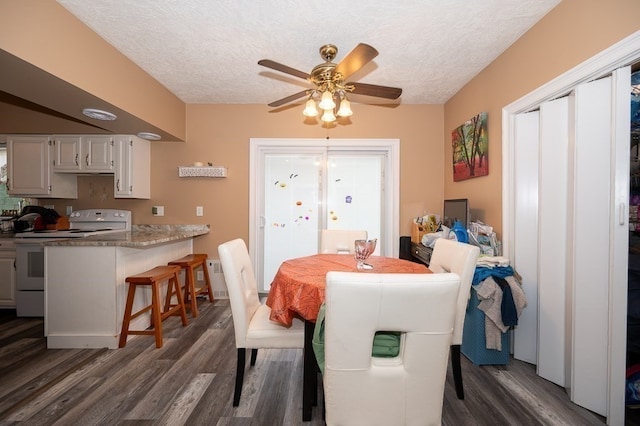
554	140
525	259
620	242
589	251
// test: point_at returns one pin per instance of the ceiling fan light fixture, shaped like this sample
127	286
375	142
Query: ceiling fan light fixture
326	102
328	116
310	109
345	108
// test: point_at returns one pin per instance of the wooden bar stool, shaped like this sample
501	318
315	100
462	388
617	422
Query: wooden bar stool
190	263
154	277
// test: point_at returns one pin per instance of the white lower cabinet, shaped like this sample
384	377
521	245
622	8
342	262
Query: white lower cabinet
7	274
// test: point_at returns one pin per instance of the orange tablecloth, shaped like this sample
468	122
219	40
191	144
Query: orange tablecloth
298	286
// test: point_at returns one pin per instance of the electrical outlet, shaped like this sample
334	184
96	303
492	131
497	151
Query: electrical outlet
199	211
157	210
199	276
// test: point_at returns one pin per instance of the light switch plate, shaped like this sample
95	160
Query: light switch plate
199	211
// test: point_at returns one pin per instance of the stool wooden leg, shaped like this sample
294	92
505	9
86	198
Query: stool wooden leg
127	316
156	314
175	281
190	283
207	281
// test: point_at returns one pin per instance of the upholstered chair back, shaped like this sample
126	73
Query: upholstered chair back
452	256
402	390
340	240
241	285
253	328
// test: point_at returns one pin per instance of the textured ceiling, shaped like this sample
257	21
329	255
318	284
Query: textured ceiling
207	51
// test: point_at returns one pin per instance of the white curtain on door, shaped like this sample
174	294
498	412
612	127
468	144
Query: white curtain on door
303	188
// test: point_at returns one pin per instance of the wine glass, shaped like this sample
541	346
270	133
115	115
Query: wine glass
364	249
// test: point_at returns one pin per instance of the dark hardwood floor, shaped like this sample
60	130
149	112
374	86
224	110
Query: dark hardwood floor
190	381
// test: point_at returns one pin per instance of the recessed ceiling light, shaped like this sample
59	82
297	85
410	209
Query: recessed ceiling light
149	136
99	114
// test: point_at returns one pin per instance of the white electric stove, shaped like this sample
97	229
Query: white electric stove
85	223
30	252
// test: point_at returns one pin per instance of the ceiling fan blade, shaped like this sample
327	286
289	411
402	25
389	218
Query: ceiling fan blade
375	90
360	56
290	98
282	68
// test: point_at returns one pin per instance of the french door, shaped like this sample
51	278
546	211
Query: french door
299	187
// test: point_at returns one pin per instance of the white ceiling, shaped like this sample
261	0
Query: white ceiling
207	51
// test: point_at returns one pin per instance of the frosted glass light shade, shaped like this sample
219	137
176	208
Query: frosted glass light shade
328	116
310	109
345	108
327	101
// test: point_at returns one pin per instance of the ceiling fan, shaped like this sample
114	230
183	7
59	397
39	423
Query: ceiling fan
330	82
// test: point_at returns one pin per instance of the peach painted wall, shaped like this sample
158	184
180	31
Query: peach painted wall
568	35
571	33
220	134
44	34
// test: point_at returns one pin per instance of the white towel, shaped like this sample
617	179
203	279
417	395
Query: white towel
492	261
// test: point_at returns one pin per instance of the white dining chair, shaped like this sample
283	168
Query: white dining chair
253	329
453	256
407	389
340	240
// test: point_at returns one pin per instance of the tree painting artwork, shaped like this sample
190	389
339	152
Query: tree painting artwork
470	149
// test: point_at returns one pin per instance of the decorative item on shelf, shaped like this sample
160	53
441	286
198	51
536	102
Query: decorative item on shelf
202	171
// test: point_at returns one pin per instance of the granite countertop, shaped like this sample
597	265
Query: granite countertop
141	236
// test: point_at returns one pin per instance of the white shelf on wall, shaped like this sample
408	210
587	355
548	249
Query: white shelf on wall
205	171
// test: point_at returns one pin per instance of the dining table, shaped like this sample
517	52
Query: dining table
297	290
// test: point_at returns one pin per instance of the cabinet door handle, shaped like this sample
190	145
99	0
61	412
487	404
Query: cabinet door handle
118	184
77	162
86	159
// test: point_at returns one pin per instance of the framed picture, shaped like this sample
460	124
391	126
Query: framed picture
471	149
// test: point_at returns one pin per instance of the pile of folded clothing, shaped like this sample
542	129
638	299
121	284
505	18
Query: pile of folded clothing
501	297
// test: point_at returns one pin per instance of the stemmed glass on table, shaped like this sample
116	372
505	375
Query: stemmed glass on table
364	249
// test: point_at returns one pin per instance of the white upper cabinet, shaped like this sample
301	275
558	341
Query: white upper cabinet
77	154
43	166
132	167
30	169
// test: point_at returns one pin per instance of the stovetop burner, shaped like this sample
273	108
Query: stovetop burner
85	223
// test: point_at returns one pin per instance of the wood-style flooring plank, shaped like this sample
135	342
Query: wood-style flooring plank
187	399
190	381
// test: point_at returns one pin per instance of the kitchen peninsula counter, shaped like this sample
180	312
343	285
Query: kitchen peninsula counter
85	288
140	236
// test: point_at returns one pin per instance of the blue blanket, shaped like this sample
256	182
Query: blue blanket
483	273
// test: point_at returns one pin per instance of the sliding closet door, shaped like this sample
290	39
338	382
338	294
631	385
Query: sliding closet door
525	257
589	239
541	206
570	239
552	219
